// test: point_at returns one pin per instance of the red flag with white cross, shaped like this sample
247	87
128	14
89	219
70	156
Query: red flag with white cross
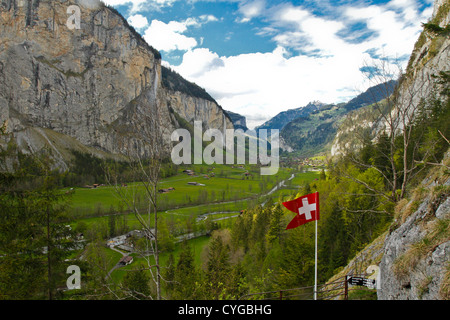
307	209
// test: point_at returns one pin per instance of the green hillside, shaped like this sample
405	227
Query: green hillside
314	133
283	118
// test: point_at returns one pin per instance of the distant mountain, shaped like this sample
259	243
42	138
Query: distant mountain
283	118
372	95
314	133
239	121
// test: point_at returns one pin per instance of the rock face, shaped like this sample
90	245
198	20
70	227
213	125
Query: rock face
193	108
415	261
239	121
411	259
100	84
431	56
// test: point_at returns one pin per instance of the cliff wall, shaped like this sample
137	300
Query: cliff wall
99	86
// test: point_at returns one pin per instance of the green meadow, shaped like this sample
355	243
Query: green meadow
226	193
227	184
220	197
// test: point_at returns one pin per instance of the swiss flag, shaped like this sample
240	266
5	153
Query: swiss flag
307	209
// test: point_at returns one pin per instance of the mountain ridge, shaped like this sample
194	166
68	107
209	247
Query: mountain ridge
315	132
283	118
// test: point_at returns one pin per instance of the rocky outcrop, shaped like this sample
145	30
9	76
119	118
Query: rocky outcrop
193	108
411	260
100	84
239	121
415	263
430	57
356	124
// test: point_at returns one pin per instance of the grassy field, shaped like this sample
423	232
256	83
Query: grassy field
227	195
228	184
301	178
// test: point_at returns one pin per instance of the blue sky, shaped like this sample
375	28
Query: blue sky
260	57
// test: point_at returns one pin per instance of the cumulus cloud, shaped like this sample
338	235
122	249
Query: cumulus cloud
138	21
251	9
264	83
316	57
168	36
200	61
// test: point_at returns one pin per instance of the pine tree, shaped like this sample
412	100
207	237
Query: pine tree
275	227
169	274
185	274
218	267
34	235
136	284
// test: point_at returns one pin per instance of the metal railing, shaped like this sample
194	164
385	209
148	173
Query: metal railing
338	288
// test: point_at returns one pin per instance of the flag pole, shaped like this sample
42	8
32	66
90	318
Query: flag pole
315	270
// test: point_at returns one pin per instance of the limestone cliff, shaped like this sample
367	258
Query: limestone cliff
97	86
239	121
411	259
415	262
193	108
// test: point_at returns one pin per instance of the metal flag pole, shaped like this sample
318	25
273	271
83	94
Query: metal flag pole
315	269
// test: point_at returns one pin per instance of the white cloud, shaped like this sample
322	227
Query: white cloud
397	32
316	58
138	5
169	37
264	83
251	9
328	68
138	21
199	61
208	18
